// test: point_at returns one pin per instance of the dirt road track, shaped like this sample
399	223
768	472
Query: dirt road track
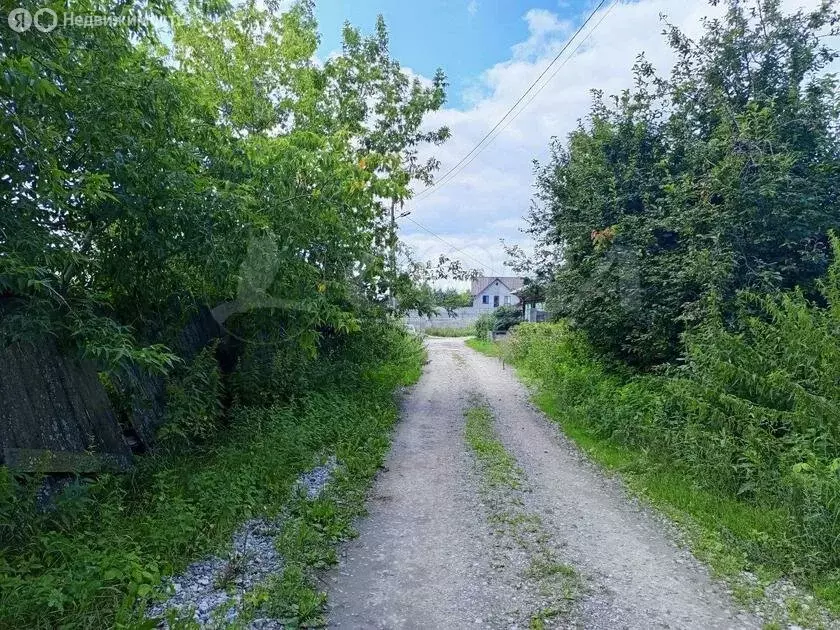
428	556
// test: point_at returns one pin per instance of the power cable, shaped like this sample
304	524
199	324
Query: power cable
503	122
457	249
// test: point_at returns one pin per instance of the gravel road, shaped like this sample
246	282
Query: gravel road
428	552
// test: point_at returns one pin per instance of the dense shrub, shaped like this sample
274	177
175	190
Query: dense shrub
722	177
198	156
194	398
94	561
501	319
753	415
484	324
506	317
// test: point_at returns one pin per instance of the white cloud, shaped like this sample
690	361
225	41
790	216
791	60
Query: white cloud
472	7
546	31
488	199
411	74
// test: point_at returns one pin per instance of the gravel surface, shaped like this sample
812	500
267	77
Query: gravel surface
423	558
639	577
213	588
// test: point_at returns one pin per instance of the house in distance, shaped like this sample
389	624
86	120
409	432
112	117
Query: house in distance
491	292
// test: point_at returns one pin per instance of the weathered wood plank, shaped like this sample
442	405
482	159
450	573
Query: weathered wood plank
147	392
53	401
40	460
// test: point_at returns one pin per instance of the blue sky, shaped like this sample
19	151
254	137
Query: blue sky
492	50
462	37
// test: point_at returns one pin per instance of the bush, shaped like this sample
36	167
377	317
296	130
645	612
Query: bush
499	320
506	317
753	415
682	187
484	324
764	403
194	399
95	560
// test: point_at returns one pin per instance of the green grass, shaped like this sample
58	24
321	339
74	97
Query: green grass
729	534
502	486
433	331
715	521
490	348
499	466
98	559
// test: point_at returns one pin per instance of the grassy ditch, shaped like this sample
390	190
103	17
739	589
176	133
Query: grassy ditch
617	418
99	557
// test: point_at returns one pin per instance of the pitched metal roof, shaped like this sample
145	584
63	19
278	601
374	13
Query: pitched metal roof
482	282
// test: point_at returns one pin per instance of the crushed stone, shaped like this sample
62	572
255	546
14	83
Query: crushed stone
211	590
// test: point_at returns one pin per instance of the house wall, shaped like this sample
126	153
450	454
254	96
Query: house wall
535	312
496	288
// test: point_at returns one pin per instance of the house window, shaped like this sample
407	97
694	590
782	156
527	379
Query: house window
485	299
507	300
495	300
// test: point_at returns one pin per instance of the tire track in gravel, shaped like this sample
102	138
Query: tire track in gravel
428	556
421	559
638	577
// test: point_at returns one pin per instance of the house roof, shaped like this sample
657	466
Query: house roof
482	282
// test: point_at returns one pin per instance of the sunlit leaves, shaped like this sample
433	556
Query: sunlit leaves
139	174
722	177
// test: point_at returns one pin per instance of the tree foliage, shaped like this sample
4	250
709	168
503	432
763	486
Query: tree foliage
500	319
137	174
451	298
751	415
685	190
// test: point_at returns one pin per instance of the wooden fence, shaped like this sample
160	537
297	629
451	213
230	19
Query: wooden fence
55	415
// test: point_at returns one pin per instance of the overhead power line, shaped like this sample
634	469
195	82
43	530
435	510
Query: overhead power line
505	120
456	248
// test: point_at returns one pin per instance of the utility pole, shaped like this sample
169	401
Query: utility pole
393	256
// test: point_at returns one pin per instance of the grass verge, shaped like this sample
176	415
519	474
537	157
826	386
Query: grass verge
433	331
553	585
737	539
490	348
98	558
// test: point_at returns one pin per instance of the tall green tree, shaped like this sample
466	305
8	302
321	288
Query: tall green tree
682	191
145	180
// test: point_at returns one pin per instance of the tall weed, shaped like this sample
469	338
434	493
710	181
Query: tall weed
95	559
753	414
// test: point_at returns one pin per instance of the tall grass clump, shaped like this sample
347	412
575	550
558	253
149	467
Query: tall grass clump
442	331
752	415
95	558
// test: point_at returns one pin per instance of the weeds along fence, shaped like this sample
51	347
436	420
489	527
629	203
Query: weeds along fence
56	415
